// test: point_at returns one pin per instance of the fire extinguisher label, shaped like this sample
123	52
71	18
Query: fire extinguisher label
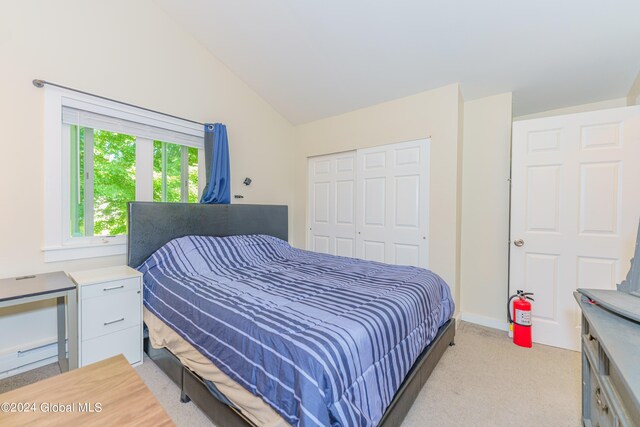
523	317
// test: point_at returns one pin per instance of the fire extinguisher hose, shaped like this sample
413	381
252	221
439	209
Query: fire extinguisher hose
509	307
519	294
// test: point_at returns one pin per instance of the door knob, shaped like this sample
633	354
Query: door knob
518	242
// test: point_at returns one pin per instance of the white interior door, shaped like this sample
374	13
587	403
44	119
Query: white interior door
392	203
332	204
574	212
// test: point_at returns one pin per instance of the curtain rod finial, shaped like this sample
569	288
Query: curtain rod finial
38	83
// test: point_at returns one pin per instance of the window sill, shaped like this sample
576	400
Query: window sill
67	253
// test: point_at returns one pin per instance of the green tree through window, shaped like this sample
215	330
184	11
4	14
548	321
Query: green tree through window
114	167
103	178
175	173
193	175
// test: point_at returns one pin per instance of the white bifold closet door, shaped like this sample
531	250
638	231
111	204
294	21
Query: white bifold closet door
332	228
392	203
372	203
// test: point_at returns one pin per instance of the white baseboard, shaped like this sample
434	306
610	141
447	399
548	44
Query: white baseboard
489	322
16	362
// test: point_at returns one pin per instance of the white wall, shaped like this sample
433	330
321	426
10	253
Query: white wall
436	113
485	210
130	51
633	97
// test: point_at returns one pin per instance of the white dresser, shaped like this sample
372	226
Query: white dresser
109	314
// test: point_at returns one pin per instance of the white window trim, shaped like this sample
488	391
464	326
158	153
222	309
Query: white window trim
57	245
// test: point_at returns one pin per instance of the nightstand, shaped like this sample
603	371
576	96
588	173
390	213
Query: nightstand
109	314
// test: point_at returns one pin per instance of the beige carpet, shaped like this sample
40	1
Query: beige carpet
484	380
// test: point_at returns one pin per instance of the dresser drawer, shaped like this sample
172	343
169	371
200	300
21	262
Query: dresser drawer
602	406
110	288
590	342
127	342
601	413
628	410
110	313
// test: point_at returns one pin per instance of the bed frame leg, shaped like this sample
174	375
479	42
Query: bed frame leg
452	343
184	398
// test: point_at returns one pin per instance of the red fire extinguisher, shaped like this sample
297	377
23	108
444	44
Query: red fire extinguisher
520	318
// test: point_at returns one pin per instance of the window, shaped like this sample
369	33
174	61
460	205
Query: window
103	180
99	155
175	173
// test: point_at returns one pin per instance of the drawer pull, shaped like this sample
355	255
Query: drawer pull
113	287
113	321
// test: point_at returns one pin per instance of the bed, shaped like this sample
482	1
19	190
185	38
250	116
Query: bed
257	332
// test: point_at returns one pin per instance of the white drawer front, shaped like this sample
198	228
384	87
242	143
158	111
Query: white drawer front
110	288
127	342
110	313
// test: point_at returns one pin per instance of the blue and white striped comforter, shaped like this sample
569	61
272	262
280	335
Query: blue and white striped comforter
324	340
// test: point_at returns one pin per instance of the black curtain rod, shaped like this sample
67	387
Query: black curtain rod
40	83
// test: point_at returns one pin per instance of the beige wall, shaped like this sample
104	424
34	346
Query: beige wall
582	108
133	52
459	201
130	51
633	97
485	209
436	113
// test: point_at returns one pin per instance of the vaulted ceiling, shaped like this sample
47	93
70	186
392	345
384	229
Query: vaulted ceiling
312	59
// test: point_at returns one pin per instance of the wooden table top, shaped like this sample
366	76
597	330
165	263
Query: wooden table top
110	388
37	284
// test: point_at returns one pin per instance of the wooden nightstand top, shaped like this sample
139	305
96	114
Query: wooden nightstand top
123	397
103	275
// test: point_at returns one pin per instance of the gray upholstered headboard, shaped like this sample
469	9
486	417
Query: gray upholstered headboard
153	224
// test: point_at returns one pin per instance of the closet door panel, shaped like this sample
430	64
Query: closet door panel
344	186
407	202
345	191
346	246
371	204
375	201
320	244
321	192
392	201
406	254
331	204
374	250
